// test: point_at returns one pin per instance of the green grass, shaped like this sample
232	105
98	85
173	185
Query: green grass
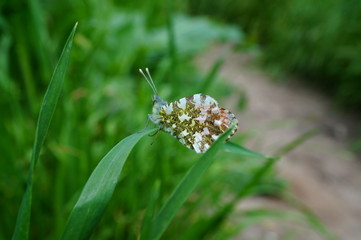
46	113
99	189
155	182
184	189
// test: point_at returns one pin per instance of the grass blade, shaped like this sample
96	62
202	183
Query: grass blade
46	112
254	216
296	142
185	188
147	220
99	189
234	148
311	218
172	47
209	79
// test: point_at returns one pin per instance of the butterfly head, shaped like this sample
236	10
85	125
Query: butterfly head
157	101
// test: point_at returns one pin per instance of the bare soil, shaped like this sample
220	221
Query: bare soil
322	172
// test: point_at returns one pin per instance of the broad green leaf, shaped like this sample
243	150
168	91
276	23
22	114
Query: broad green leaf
48	106
185	188
99	189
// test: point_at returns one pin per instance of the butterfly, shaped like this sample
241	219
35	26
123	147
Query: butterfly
196	121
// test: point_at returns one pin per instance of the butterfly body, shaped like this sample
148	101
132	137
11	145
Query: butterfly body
158	103
196	121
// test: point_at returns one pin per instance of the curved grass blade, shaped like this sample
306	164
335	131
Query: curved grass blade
311	218
209	79
46	113
234	148
296	142
99	189
256	216
185	188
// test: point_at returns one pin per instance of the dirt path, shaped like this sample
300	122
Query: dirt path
322	172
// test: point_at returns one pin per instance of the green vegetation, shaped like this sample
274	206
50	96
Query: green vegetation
97	175
318	41
46	113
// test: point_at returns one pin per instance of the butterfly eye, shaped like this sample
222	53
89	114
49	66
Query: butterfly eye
154	100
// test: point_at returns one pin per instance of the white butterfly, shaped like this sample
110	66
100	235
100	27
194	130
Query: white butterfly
196	121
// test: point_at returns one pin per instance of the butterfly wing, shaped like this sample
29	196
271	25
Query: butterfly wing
196	121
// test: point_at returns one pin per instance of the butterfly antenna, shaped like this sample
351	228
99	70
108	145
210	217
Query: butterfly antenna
149	80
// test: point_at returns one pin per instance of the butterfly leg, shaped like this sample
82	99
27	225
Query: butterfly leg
154	134
146	126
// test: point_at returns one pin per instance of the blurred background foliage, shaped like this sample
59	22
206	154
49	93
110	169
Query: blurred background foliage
318	41
106	99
